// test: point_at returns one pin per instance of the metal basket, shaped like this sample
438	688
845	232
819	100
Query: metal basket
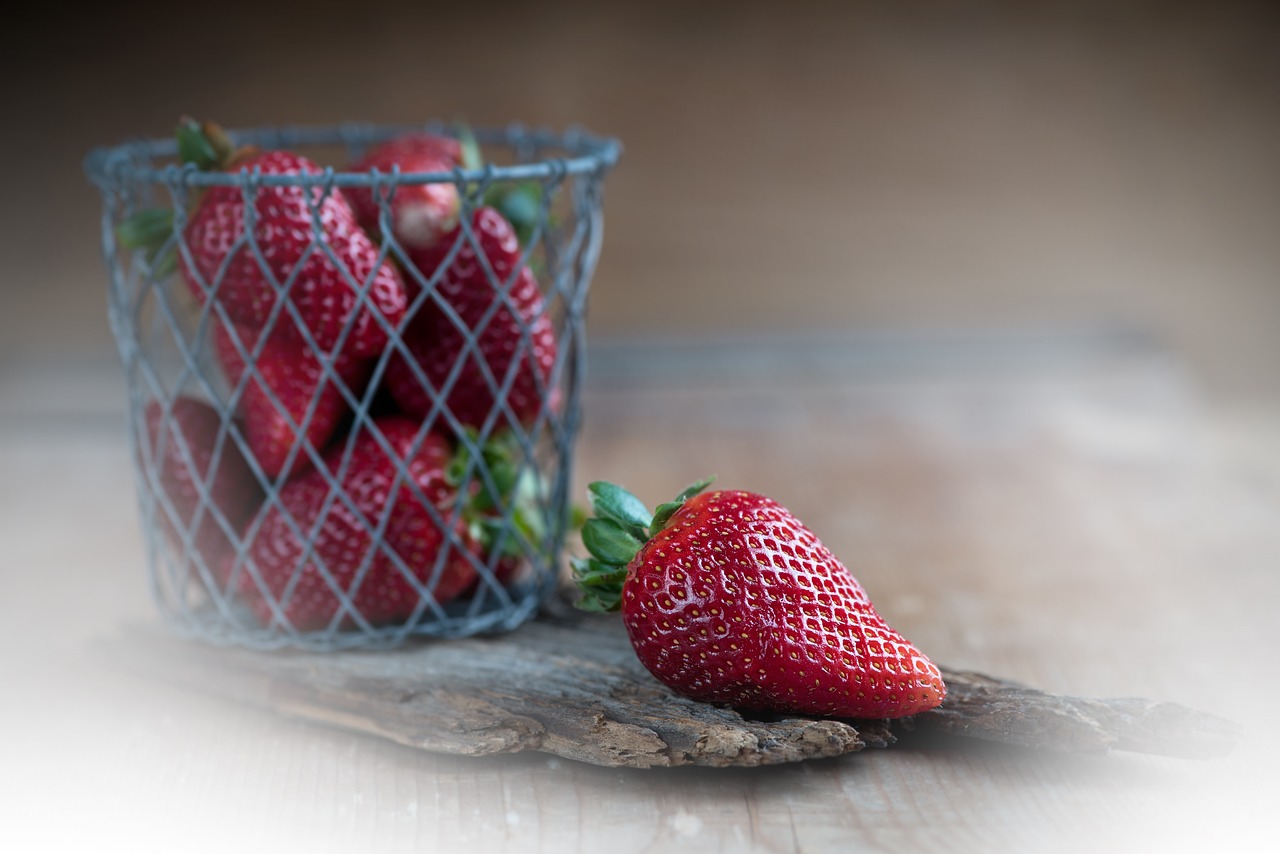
165	336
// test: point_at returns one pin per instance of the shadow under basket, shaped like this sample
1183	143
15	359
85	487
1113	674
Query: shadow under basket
347	434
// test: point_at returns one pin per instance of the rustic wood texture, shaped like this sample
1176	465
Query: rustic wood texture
979	706
573	688
1079	522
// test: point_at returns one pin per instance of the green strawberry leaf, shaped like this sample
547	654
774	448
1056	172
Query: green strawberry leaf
521	204
151	231
163	262
601	603
620	528
195	147
147	229
663	512
694	489
472	158
504	474
590	572
578	516
611	501
609	542
600	583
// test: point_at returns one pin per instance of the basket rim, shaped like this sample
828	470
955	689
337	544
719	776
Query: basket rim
110	166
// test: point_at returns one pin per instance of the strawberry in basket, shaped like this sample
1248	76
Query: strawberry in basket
319	545
180	444
421	215
483	309
341	296
291	406
306	243
487	311
305	239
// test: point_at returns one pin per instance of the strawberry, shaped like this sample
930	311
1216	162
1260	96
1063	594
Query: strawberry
306	241
421	214
497	242
279	400
323	276
343	554
728	598
414	144
515	345
180	445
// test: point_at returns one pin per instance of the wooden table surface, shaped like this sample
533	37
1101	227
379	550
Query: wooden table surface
1061	510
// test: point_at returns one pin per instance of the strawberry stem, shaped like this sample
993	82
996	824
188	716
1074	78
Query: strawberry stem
613	538
472	159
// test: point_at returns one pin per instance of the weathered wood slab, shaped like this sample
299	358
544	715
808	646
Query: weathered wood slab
980	706
572	687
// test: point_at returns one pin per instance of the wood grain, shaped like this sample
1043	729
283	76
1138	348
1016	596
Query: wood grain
573	688
1083	525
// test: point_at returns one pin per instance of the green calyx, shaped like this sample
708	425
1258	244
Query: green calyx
520	202
150	231
621	526
203	145
513	495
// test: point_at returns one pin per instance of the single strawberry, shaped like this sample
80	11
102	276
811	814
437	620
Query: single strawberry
480	297
307	240
337	552
289	398
492	246
304	240
728	598
421	214
181	442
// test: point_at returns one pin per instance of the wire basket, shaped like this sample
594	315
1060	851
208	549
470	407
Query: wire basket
324	461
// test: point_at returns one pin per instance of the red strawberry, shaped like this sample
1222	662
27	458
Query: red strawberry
499	246
413	144
515	347
728	598
180	446
421	214
323	289
341	535
292	382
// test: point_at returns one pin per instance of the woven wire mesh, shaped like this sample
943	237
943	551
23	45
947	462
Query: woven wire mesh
197	377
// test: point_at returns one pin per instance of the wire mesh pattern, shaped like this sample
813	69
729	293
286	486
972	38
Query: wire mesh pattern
383	456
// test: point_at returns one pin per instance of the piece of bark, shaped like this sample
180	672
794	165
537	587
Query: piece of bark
979	706
574	688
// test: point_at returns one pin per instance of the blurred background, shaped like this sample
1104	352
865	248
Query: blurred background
895	174
788	167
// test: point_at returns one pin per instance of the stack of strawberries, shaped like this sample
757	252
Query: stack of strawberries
311	292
